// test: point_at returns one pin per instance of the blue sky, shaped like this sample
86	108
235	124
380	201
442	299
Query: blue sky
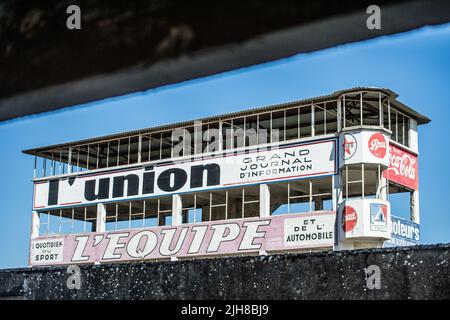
416	65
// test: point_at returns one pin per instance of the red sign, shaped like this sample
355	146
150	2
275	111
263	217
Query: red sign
349	218
403	168
378	145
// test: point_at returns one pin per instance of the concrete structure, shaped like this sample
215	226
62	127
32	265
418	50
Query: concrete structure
315	174
126	47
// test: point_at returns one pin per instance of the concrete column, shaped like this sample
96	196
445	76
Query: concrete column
101	218
383	194
69	161
413	136
415	212
337	192
337	204
264	200
140	149
176	210
34	233
313	120
339	115
176	214
264	206
414	145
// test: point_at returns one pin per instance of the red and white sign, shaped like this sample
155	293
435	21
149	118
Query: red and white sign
349	146
403	168
378	145
365	219
364	146
289	231
350	218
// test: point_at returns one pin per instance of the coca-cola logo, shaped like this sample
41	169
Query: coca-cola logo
349	218
403	165
378	145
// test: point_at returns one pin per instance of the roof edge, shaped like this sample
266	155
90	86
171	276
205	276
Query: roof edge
421	119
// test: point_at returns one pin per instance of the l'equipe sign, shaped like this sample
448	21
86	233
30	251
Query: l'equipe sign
289	231
286	162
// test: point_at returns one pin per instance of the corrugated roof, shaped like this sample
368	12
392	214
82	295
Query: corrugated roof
421	119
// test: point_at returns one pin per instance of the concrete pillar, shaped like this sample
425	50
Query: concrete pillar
176	214
34	233
140	149
313	120
176	210
69	161
413	136
101	218
415	212
339	115
382	188
264	206
414	145
264	200
336	195
337	192
337	206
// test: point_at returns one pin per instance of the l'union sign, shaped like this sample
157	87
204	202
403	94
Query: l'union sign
258	166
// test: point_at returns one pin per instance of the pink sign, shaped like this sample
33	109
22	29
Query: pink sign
403	168
283	232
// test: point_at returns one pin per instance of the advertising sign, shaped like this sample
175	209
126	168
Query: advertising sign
404	233
283	232
349	219
286	162
364	146
309	230
364	219
403	168
378	217
47	251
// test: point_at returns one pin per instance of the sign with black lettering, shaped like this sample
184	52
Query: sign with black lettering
309	230
46	251
291	161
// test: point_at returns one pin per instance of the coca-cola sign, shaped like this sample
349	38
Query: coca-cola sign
403	168
378	145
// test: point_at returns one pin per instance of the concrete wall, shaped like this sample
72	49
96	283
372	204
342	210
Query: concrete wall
406	273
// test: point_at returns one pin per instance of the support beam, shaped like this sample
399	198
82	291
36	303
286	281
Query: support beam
176	210
34	232
415	210
264	196
101	218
